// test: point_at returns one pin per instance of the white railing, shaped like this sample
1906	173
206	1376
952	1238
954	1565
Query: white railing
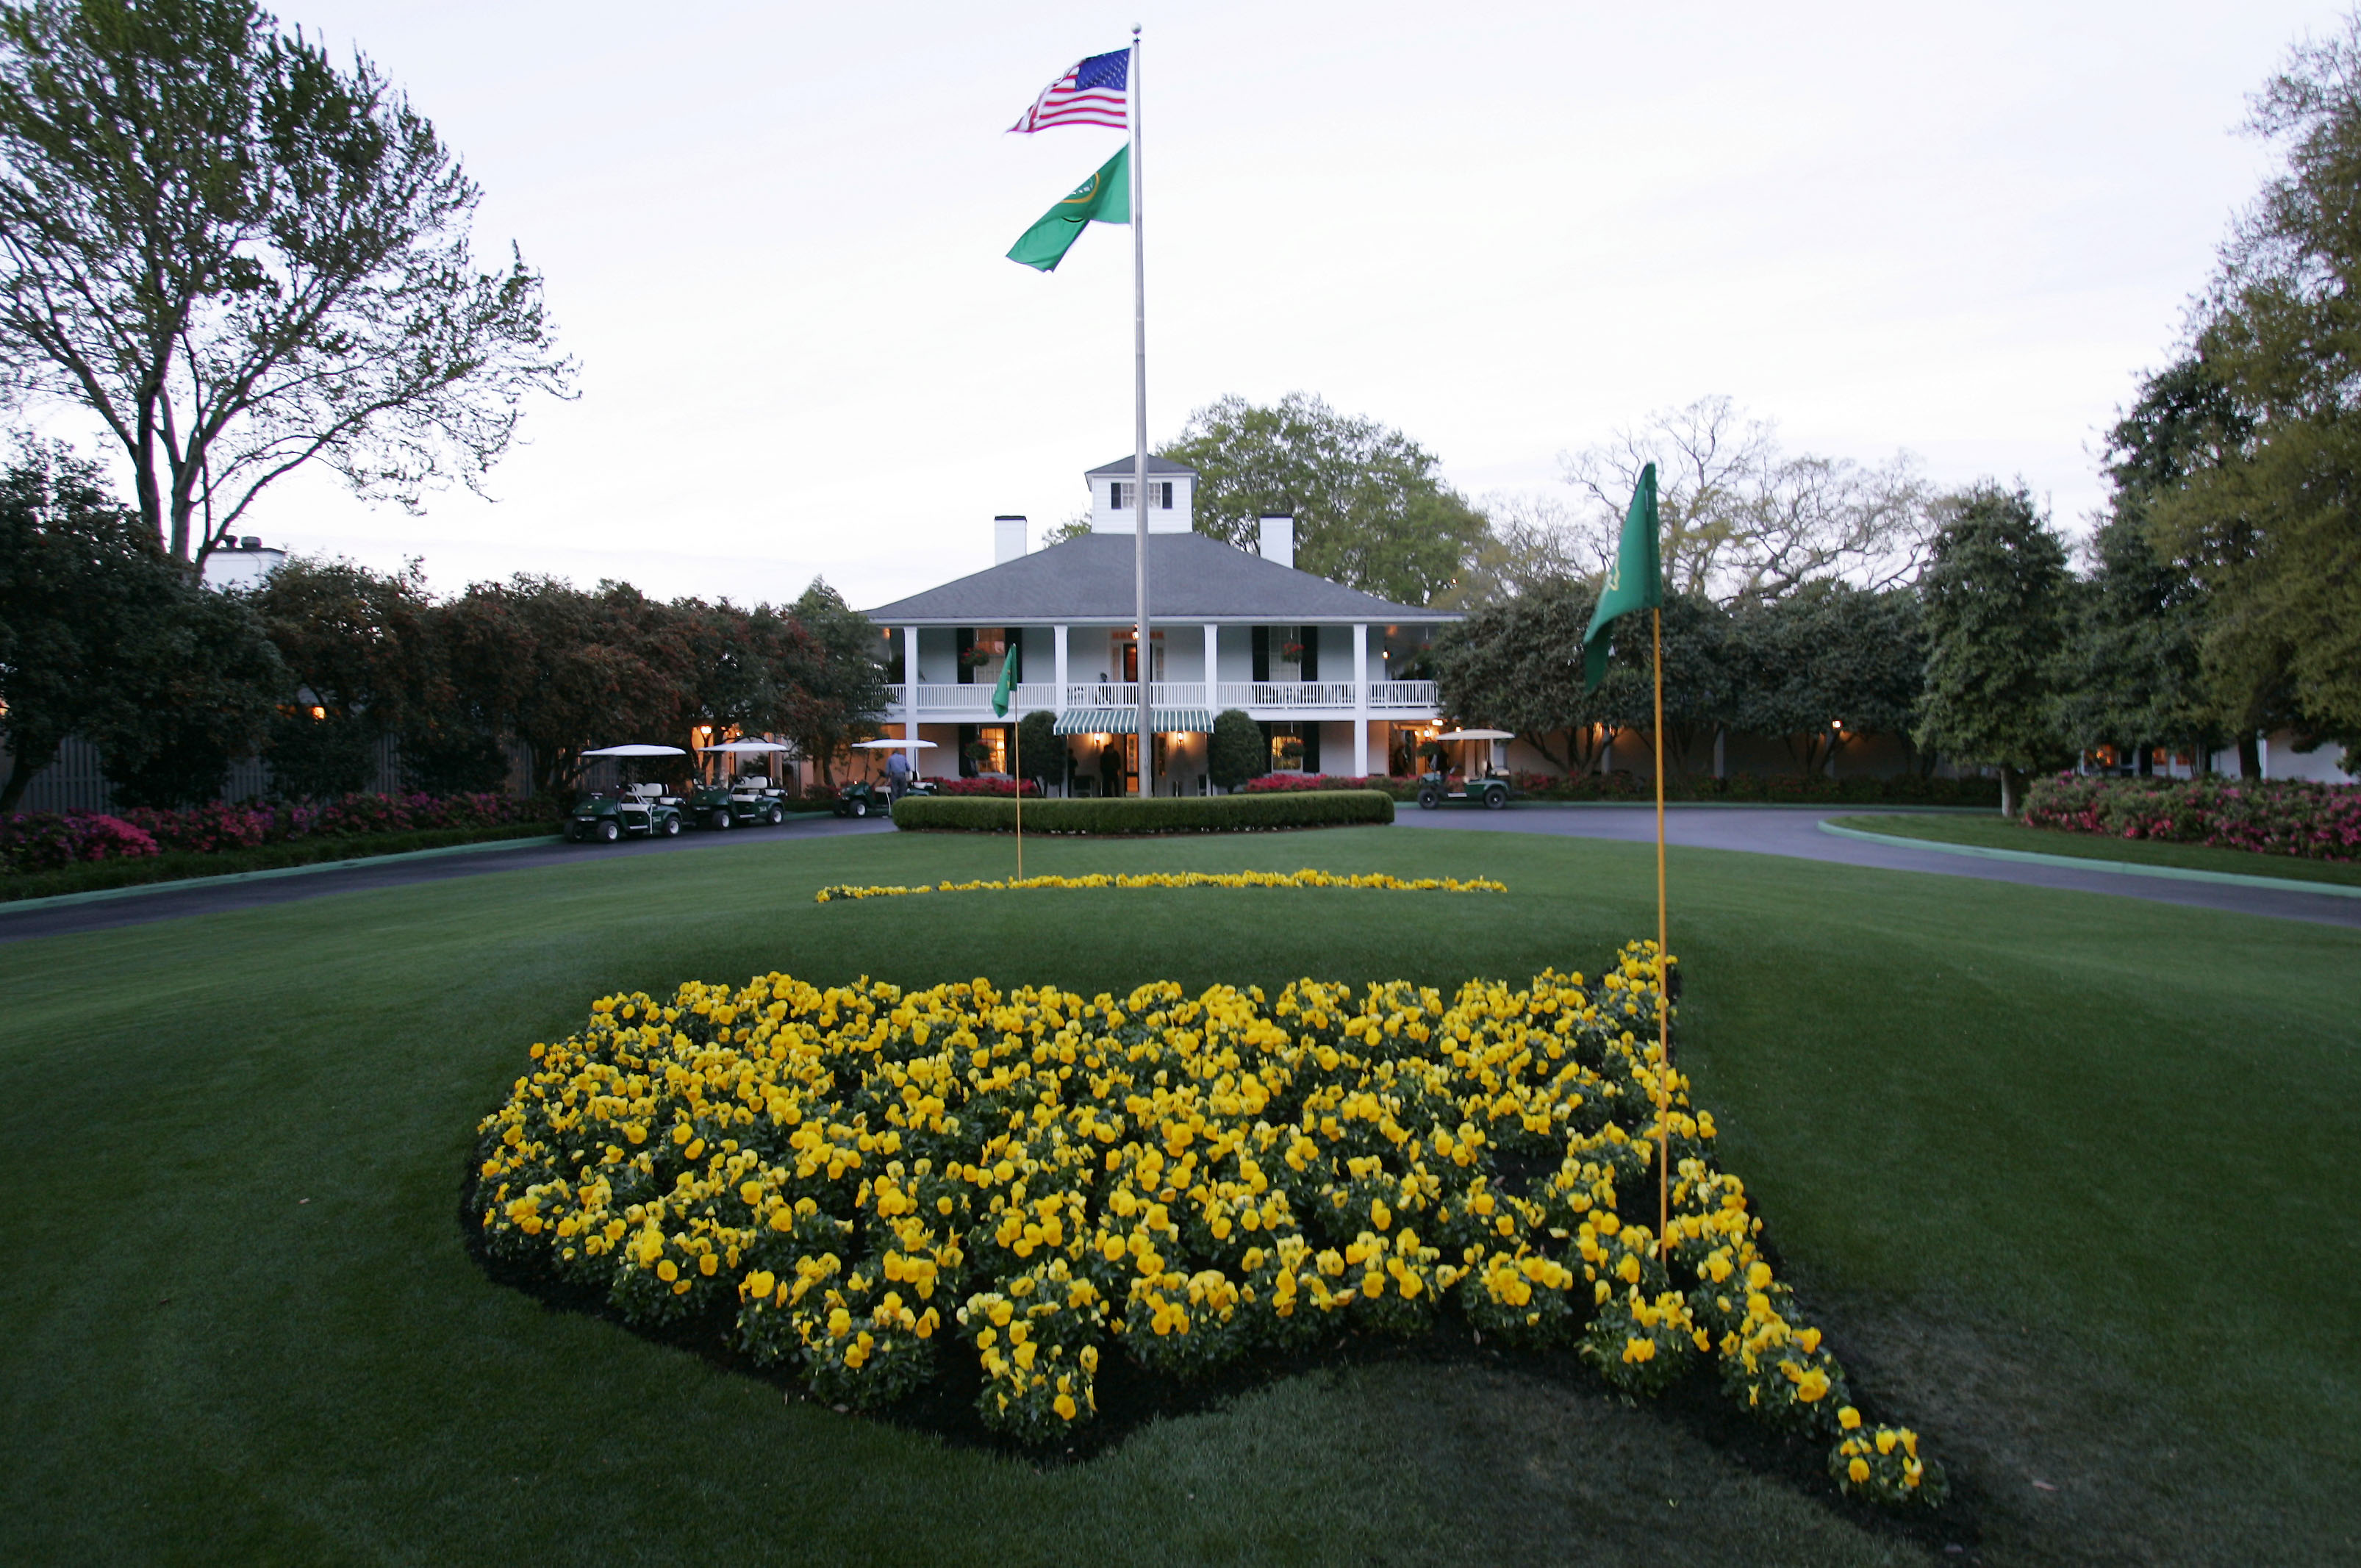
1125	694
1402	694
971	704
1287	693
974	699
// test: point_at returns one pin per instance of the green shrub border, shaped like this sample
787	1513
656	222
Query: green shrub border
181	866
1194	814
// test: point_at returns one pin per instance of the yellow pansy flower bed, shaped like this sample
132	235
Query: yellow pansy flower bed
1375	881
862	1183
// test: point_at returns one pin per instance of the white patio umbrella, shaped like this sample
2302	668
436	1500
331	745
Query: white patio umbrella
890	744
637	751
744	747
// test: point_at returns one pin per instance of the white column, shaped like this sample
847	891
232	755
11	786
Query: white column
1058	632
1360	701
1213	665
910	687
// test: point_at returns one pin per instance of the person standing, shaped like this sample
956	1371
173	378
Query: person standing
898	774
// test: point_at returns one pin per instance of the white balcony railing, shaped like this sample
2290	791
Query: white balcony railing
968	704
1402	694
973	699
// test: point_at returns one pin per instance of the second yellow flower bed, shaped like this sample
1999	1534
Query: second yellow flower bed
860	1181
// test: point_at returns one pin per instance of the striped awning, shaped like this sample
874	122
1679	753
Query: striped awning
1124	721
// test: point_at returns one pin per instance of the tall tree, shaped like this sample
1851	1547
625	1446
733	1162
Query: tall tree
199	695
1745	521
2273	527
1994	615
1825	664
842	677
564	669
84	591
357	643
1517	665
2132	671
1370	510
243	258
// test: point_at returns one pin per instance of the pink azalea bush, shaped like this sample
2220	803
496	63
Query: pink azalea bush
45	842
2279	817
48	840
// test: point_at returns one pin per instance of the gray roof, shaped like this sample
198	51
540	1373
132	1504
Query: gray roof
1190	577
1125	465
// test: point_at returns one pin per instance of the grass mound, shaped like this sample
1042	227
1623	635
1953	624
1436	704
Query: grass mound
837	1181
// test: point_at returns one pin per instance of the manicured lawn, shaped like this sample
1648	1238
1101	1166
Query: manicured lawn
2067	1177
1993	832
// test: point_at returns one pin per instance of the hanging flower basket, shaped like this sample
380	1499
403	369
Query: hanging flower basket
977	658
1291	651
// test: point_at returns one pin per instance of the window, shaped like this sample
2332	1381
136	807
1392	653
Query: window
1119	495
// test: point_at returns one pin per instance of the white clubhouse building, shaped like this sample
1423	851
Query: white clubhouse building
1315	663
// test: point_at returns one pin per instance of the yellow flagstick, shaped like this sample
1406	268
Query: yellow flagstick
1663	976
1016	764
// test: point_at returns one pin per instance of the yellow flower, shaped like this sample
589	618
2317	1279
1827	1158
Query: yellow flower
1859	1471
1847	1418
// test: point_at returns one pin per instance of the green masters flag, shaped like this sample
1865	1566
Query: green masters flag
1104	196
1007	682
1636	581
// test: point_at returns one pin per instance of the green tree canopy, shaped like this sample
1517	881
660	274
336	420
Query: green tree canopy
83	590
1370	510
243	258
1994	599
359	645
1824	663
2268	513
842	677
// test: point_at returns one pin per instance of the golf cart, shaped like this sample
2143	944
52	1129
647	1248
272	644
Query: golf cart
874	797
741	802
1488	789
644	811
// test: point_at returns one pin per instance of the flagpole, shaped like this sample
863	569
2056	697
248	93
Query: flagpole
1139	432
1663	971
1016	766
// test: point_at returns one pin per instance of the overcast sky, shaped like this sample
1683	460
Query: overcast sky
773	236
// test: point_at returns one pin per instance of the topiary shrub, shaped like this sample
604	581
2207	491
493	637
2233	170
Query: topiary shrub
1235	753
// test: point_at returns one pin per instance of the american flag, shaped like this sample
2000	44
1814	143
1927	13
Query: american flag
1092	93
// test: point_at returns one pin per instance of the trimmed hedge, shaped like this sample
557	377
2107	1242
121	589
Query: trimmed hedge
1217	814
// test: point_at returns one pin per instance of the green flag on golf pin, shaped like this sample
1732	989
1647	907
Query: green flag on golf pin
1105	197
1636	581
1007	682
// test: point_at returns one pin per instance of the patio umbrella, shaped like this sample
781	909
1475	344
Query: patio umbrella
890	744
748	746
1476	735
637	751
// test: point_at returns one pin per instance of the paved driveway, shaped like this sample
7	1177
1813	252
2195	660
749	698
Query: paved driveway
1758	830
1788	830
172	901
